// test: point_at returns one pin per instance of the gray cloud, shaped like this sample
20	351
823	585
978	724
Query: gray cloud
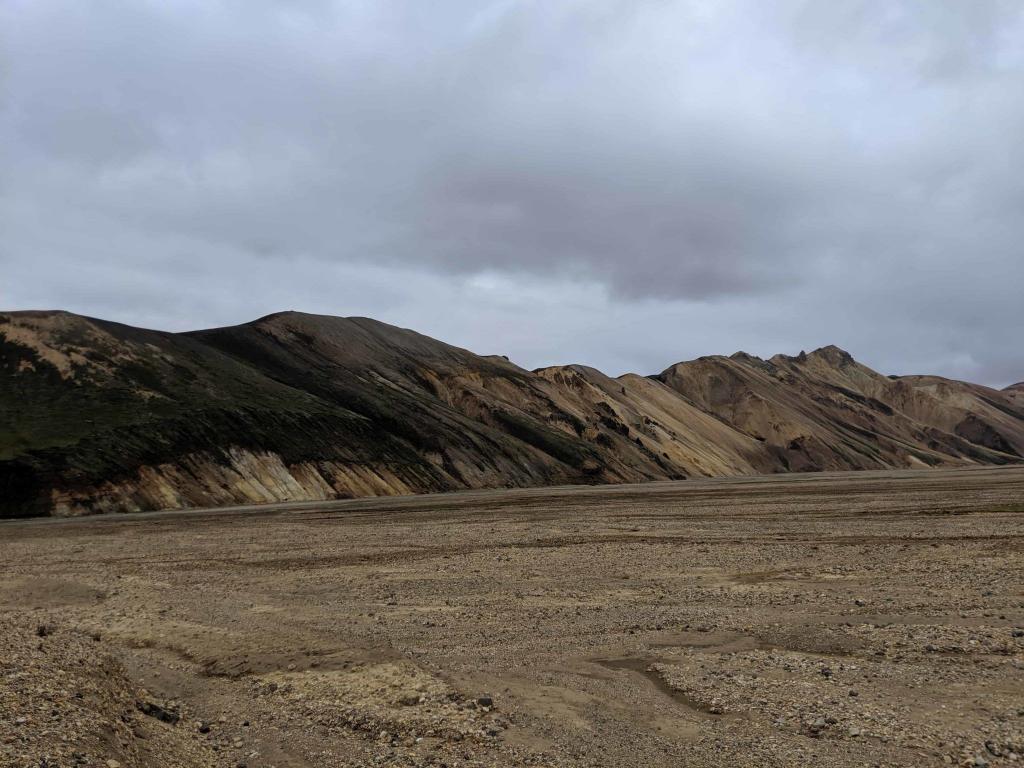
620	183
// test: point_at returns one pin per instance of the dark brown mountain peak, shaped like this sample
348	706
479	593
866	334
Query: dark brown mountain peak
273	316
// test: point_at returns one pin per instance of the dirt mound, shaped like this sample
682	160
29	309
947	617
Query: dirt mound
65	702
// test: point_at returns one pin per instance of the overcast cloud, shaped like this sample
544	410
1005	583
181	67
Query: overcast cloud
620	183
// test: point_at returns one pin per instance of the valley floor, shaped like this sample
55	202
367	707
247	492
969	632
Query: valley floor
827	619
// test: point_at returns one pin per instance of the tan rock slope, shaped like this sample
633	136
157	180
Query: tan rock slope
96	416
824	410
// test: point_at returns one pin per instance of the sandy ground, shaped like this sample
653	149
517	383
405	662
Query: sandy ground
860	619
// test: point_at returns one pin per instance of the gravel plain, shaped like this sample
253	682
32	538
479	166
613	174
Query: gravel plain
862	619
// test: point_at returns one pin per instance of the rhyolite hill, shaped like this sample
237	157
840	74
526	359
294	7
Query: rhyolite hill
96	416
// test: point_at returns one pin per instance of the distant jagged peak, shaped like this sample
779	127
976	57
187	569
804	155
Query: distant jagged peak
829	354
753	361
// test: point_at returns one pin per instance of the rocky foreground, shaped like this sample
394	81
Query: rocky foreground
869	619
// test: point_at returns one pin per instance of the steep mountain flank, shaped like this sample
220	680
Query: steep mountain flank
99	416
985	416
655	422
96	416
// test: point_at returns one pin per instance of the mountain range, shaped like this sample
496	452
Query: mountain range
96	416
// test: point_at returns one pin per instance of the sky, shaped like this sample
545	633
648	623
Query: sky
620	183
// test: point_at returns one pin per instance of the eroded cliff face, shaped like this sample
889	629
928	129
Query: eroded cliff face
102	417
245	477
